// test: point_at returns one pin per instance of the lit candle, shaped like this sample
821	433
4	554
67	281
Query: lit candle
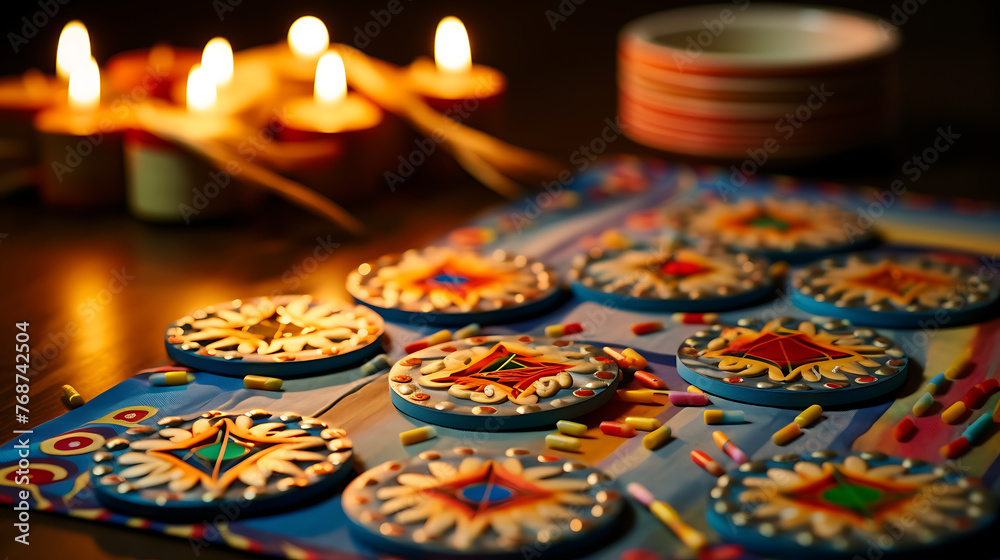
350	122
80	145
451	83
73	49
308	38
293	61
167	183
244	89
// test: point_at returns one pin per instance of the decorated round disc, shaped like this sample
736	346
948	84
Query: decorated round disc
898	290
283	336
787	362
477	503
671	277
502	382
183	470
782	229
824	505
448	286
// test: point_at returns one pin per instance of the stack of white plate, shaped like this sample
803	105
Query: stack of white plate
757	80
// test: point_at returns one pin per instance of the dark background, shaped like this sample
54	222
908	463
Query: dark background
562	81
561	90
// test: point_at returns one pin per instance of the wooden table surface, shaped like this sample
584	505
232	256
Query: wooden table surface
98	289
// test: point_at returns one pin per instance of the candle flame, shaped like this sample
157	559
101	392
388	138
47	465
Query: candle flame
85	85
451	46
308	37
201	90
73	48
331	79
217	60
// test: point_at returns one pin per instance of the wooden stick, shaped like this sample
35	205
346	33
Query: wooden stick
380	81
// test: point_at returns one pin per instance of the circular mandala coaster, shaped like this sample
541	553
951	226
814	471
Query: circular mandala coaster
193	469
474	504
502	382
283	336
787	362
900	290
447	286
824	505
782	229
671	277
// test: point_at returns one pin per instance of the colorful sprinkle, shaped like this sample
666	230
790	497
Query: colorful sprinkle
263	383
696	318
724	416
786	434
562	442
417	435
640	329
809	415
655	439
904	429
619	429
650	381
570	428
706	462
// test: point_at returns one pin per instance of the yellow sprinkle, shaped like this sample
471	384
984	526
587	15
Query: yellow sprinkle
635	359
957	368
417	435
787	434
953	413
809	415
643	424
555	331
571	428
655	439
642	396
562	443
72	398
693	389
260	382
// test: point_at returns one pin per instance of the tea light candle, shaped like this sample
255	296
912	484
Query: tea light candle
80	146
452	84
167	183
21	98
355	125
244	89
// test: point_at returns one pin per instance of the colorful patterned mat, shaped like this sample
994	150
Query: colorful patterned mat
554	226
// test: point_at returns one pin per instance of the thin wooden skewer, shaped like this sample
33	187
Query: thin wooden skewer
379	80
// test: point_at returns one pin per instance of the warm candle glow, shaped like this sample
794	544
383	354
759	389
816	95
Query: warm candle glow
85	85
308	37
73	49
217	60
331	79
201	90
451	46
